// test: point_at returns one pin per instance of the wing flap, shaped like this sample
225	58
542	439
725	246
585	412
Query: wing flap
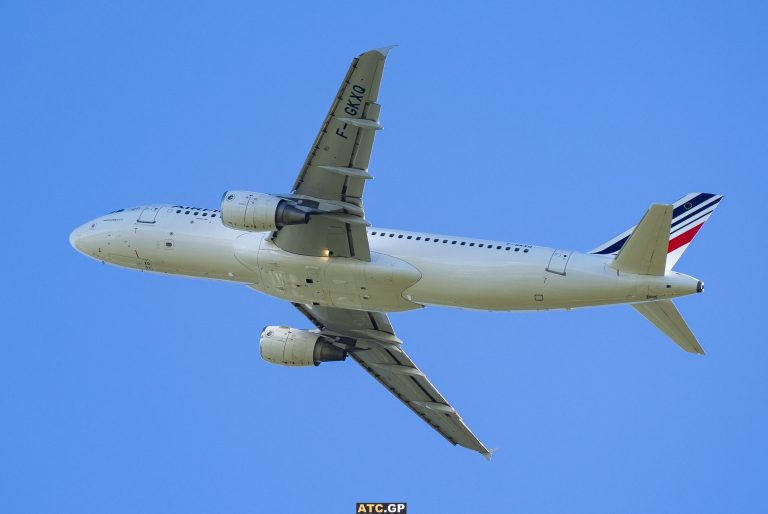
327	235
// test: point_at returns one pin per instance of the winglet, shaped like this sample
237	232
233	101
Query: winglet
489	453
384	50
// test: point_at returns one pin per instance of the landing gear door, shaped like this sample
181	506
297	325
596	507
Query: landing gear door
148	215
558	261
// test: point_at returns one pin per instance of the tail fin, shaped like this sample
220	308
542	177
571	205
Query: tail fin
688	215
667	318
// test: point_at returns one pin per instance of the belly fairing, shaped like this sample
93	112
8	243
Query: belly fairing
341	282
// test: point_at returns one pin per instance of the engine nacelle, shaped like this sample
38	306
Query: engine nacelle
259	212
293	347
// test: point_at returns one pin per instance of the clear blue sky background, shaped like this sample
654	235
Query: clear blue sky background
555	125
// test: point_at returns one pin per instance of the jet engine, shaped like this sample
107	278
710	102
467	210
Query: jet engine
293	347
259	212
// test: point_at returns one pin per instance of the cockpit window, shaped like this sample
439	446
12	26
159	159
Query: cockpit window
119	210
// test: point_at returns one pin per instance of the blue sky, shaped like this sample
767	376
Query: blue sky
553	124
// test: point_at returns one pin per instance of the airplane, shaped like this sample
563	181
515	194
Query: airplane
315	248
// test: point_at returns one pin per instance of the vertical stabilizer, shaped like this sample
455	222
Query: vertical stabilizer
667	318
689	214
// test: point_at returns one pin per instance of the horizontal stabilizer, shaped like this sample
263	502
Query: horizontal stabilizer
667	318
645	253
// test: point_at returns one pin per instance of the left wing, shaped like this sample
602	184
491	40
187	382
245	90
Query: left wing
334	173
337	165
371	341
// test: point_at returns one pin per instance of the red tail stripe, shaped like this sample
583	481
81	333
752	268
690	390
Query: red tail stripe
683	239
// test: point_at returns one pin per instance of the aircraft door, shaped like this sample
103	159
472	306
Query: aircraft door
559	261
148	215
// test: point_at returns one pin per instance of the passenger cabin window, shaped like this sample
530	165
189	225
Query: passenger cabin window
418	238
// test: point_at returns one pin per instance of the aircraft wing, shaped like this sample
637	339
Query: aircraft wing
336	169
371	341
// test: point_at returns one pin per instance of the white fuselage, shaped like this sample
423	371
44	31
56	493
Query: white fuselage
407	269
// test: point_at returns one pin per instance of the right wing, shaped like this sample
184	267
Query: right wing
371	341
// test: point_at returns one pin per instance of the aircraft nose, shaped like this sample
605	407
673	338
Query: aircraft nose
80	237
73	237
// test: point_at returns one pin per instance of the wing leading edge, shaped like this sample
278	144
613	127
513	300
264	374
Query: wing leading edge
379	352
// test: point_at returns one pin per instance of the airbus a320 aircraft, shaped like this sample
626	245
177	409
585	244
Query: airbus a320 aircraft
315	248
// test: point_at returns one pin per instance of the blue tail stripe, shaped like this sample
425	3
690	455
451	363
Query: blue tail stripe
690	209
694	212
615	247
694	202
